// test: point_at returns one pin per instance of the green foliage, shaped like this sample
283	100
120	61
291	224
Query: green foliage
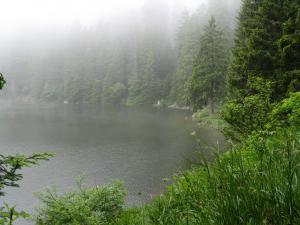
145	92
87	62
222	193
206	118
214	193
8	215
207	83
9	177
90	206
187	48
287	112
248	114
147	88
133	216
10	165
115	95
2	81
266	52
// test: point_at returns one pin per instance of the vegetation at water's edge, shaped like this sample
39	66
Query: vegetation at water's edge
257	180
138	60
204	117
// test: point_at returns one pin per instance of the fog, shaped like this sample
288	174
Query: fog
17	16
49	48
73	66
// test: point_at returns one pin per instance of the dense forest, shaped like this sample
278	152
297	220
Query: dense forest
254	75
134	59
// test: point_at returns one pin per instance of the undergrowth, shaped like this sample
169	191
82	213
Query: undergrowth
255	182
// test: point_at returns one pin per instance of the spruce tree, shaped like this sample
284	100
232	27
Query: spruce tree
207	83
10	176
265	62
187	41
266	46
288	79
237	78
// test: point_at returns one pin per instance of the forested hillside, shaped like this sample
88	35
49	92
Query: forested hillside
244	72
257	180
133	60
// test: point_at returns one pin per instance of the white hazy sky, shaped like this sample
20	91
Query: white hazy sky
18	15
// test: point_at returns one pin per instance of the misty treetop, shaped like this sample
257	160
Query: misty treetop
135	60
265	65
207	83
149	59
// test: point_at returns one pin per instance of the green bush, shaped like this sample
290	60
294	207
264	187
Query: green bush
115	95
205	117
287	113
254	183
87	206
248	114
132	216
10	177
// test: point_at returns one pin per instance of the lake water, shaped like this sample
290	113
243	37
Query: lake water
138	146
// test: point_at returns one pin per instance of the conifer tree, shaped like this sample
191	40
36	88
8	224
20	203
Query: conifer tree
207	83
187	49
265	61
266	45
10	176
237	77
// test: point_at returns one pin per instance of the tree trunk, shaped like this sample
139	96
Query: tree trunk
212	100
212	105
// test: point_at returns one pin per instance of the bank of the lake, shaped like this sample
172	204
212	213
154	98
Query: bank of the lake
140	146
254	182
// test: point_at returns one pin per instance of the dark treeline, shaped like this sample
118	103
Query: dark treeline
133	60
198	62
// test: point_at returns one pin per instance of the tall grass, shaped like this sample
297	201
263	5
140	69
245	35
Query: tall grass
254	183
87	206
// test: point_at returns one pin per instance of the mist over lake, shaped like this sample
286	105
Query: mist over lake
149	112
140	146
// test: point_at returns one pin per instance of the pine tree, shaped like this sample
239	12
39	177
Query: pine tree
265	62
265	47
187	49
207	83
288	79
237	77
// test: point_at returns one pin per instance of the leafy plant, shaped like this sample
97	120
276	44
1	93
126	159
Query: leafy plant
9	177
89	206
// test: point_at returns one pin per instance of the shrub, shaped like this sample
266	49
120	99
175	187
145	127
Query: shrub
254	183
10	177
250	113
87	206
287	112
115	95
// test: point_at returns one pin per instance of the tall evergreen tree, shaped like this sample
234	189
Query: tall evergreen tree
187	49
265	61
207	83
267	35
237	78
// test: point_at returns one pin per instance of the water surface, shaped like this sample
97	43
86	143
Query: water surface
139	146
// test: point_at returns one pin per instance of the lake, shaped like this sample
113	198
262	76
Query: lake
140	146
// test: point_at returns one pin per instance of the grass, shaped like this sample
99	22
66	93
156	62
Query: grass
256	182
206	118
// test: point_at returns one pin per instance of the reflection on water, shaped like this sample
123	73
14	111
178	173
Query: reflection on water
138	146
